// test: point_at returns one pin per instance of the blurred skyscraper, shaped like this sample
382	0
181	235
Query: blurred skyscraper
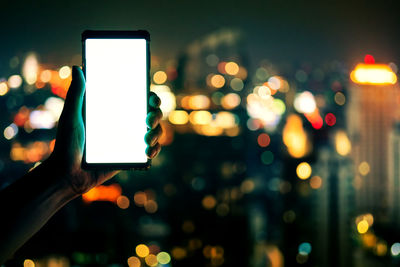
371	115
394	175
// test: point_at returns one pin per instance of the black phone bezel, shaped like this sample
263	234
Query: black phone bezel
139	34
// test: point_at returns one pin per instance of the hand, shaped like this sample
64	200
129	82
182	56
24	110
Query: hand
67	155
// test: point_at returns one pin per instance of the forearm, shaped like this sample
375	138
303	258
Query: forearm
28	204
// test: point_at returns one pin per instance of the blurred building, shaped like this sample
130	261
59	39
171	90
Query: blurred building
394	175
333	207
372	111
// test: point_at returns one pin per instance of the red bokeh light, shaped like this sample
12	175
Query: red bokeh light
369	59
263	140
330	119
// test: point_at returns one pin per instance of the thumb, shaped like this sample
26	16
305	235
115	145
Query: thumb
76	91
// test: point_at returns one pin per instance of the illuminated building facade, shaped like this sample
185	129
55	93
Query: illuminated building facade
371	115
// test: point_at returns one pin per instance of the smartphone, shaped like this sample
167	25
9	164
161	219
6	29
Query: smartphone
116	65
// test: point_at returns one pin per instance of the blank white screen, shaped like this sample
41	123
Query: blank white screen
116	100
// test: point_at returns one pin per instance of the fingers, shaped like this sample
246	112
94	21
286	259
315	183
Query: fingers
74	99
152	152
153	135
153	118
154	100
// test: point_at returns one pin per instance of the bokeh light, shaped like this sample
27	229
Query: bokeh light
134	261
364	168
64	72
3	88
217	81
163	258
362	226
151	260
395	249
178	117
231	68
14	81
303	170
160	77
263	140
29	263
123	202
315	182
142	250
209	202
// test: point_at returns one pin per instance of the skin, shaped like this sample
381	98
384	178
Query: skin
27	204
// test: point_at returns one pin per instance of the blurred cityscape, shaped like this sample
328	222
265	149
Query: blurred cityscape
263	164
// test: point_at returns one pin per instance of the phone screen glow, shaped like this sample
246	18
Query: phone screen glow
116	100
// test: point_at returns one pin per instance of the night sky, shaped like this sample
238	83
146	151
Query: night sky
310	31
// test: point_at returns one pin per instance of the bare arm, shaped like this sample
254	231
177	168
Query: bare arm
28	204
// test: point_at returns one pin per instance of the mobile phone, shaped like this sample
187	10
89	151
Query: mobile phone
116	65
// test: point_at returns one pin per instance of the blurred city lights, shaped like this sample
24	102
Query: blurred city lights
29	263
305	102
209	202
160	77
163	257
140	198
362	227
305	248
295	138
330	119
274	83
151	260
3	88
10	131
41	119
142	250
55	106
303	170
369	59
231	68
395	249
381	248
315	119
45	76
200	117
236	84
64	72
315	182
225	119
198	102
151	206
217	81
30	69
178	117
267	157
263	140
134	261
364	168
373	74
178	253
340	98
14	81
342	143
230	101
123	202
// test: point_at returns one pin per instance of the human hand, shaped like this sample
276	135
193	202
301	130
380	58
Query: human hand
67	155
